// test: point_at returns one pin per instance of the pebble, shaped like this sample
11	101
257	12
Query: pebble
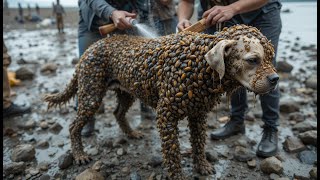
49	68
296	116
28	125
271	165
243	154
313	173
309	137
14	168
93	151
307	157
43	124
65	160
289	106
24	73
274	176
284	66
55	128
121	152
252	163
223	119
107	143
311	81
43	166
23	152
155	161
90	174
44	177
42	144
135	176
75	61
125	170
305	126
212	156
114	162
293	145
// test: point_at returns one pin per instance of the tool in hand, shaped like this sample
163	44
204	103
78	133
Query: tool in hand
106	29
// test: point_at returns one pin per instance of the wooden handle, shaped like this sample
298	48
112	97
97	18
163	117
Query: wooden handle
106	29
198	26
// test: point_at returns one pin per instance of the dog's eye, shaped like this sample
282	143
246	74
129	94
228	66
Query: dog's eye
252	60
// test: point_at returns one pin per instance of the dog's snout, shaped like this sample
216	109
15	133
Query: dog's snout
273	79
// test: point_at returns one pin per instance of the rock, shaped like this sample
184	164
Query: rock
121	141
89	174
223	119
309	137
283	178
155	161
313	173
243	154
14	168
288	106
135	176
44	177
307	156
93	151
125	170
212	156
284	66
107	143
24	73
305	126
114	162
271	165
296	116
159	177
311	81
43	124
43	166
64	111
75	61
28	125
65	160
243	141
55	128
42	144
121	152
274	176
252	163
23	152
301	176
286	11
97	166
249	116
49	68
293	145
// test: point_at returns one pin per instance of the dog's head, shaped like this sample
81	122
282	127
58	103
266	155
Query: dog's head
248	56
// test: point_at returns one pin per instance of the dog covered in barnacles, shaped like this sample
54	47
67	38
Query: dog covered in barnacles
180	75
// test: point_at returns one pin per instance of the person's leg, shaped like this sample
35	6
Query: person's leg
270	25
84	42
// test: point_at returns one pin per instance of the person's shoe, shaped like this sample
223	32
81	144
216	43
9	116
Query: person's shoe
268	145
147	112
229	129
88	129
15	110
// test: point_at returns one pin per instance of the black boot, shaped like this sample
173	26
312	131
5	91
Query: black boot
268	145
88	129
229	129
15	110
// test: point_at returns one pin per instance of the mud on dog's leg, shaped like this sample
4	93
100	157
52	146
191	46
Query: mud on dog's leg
167	124
125	101
198	126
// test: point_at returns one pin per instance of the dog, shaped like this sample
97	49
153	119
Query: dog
180	75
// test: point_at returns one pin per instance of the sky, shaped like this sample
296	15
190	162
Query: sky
41	3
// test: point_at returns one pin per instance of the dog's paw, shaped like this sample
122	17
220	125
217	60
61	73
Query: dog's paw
82	159
204	168
135	135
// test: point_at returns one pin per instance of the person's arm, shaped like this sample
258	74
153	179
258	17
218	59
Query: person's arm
185	11
218	14
104	10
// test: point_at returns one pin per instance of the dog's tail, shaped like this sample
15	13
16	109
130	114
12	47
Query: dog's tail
63	97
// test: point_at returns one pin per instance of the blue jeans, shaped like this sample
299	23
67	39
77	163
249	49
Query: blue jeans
269	23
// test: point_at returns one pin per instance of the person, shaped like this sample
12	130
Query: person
38	9
29	12
264	15
164	16
95	13
59	12
9	108
21	19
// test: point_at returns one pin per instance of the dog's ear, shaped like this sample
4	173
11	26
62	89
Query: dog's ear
215	57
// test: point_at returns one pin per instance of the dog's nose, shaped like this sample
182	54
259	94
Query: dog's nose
273	79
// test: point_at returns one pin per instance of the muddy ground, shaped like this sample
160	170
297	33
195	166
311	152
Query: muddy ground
47	61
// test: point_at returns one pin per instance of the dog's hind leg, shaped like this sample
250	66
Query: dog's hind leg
90	94
125	101
197	126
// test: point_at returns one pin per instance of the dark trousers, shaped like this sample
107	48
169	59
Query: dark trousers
269	23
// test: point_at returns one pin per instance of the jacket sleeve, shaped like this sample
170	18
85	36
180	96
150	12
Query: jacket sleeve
100	7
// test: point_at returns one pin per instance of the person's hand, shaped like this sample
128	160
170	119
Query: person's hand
183	24
121	19
218	14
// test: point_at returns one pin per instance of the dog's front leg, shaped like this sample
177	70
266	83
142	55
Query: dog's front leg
167	124
198	126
